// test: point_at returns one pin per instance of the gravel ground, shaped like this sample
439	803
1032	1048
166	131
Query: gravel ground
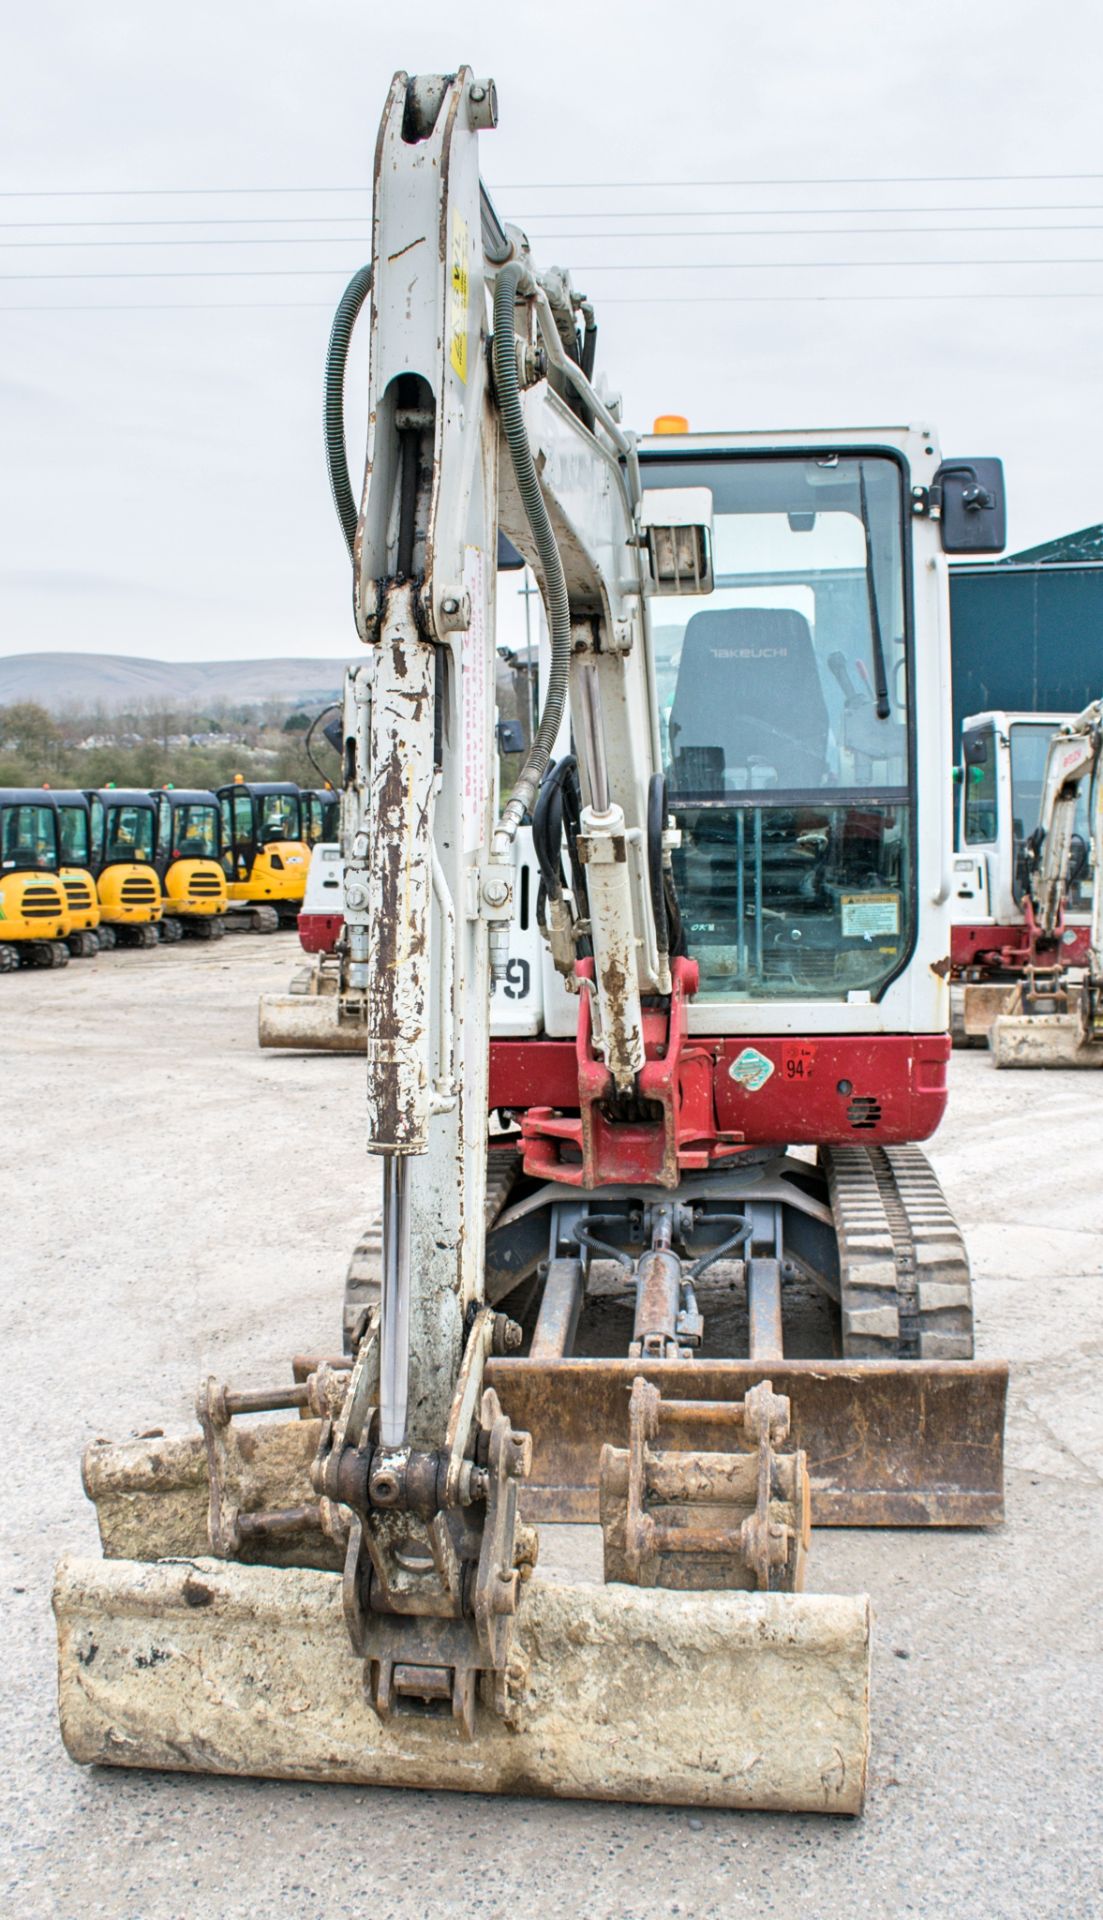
176	1201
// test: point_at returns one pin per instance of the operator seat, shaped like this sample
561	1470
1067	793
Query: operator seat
748	696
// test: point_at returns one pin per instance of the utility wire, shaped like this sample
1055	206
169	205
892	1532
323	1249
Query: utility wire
555	186
672	233
612	300
761	213
609	213
627	266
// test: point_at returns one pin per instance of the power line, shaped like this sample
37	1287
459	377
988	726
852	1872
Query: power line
786	180
278	240
557	186
771	213
625	266
661	213
208	220
613	300
670	233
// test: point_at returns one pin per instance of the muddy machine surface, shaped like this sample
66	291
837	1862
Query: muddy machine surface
694	1283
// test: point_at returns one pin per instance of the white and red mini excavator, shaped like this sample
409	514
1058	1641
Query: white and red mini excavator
1006	786
1045	1005
658	1253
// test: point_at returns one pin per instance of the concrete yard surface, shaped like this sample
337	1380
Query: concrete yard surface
177	1202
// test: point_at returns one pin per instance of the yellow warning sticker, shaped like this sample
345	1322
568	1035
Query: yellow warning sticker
458	297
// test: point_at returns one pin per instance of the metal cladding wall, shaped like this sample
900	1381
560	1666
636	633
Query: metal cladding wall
1025	637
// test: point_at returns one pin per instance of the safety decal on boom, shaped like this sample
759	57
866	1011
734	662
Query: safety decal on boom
751	1069
458	297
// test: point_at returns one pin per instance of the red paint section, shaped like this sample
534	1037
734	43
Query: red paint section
318	932
1007	949
675	1128
877	1089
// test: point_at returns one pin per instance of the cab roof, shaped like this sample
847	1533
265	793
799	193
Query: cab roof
123	796
28	797
260	786
188	796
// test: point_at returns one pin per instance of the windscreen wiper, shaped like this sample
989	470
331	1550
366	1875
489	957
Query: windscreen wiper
880	679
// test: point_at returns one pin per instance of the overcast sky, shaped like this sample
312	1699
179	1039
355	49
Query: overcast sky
162	489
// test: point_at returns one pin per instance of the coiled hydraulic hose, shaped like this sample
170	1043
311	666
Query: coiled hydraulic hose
532	500
337	353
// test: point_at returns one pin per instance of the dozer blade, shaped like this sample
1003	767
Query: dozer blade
1042	1040
889	1443
713	1699
309	1023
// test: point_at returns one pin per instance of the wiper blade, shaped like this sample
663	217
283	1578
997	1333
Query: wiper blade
880	678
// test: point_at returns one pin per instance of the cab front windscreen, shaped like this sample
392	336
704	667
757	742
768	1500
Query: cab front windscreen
195	832
28	839
75	849
784	716
1030	744
278	817
128	834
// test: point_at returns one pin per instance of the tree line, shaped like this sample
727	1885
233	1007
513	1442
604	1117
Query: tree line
153	745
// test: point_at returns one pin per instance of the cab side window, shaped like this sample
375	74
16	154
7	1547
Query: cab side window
243	818
979	754
97	827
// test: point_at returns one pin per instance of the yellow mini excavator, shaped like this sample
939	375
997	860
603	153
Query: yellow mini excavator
86	935
123	825
658	1256
34	915
187	859
265	855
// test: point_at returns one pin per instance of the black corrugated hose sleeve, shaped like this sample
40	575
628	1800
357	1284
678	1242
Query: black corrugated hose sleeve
337	353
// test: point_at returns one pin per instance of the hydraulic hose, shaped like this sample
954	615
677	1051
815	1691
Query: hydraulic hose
557	606
337	353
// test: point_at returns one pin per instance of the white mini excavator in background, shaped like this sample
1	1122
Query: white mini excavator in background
1044	1021
659	1256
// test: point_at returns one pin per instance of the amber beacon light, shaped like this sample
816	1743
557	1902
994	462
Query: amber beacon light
671	423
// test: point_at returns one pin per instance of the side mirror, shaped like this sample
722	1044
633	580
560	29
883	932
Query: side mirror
969	498
676	526
509	560
511	736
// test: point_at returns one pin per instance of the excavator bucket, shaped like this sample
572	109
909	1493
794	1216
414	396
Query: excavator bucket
1042	1040
747	1694
715	1699
308	1023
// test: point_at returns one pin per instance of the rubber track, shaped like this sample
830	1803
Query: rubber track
904	1278
365	1269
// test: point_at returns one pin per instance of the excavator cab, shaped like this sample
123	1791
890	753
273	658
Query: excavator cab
265	855
188	861
86	935
321	815
34	917
123	826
